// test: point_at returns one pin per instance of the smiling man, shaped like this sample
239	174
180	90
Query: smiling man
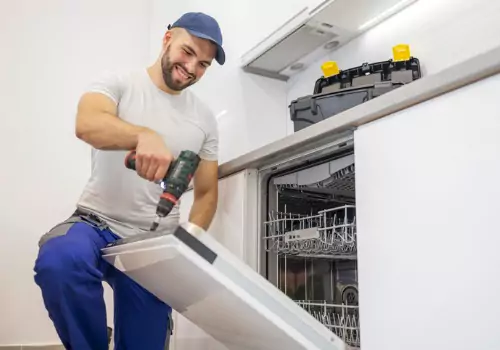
152	112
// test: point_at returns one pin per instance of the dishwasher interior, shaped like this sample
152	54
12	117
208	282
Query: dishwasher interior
308	239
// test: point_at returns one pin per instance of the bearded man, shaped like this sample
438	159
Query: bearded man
152	112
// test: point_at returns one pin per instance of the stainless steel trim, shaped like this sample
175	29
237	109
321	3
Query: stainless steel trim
317	152
250	242
426	88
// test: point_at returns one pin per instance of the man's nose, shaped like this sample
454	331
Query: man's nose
190	67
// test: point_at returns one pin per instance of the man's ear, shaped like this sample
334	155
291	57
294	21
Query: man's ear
167	37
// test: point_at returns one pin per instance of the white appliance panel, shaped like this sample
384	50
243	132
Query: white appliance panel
208	285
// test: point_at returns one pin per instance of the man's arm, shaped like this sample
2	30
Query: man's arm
205	194
97	124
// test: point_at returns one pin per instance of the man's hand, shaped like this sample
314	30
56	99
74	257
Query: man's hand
152	156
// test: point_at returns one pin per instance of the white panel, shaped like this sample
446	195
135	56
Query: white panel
428	202
236	305
235	215
440	33
188	336
233	227
50	51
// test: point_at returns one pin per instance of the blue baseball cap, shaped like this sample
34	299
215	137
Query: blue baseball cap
202	26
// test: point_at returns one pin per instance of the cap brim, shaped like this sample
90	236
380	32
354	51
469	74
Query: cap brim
220	55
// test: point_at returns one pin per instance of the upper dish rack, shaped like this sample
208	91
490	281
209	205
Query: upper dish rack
334	181
329	233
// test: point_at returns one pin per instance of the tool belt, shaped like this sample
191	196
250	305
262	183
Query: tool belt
78	216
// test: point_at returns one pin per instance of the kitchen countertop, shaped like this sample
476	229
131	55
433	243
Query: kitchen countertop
326	131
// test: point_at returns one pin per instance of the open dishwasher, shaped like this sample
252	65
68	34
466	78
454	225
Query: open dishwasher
308	236
303	294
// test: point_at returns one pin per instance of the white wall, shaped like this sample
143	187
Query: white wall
428	199
440	34
254	105
50	49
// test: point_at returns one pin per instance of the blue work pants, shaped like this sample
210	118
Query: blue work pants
70	271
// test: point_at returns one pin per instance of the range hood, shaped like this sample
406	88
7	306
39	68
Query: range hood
313	33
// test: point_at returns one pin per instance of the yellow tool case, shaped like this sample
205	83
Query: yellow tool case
339	90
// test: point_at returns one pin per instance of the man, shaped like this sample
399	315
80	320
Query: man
152	112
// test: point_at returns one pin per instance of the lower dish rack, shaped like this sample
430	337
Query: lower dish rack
318	240
330	233
343	320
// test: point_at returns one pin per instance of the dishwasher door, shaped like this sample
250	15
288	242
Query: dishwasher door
202	280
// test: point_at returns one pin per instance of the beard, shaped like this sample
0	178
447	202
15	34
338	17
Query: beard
167	69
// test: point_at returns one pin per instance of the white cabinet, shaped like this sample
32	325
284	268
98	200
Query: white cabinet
427	199
234	226
313	4
271	16
428	202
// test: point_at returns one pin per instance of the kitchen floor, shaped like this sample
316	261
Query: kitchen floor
41	347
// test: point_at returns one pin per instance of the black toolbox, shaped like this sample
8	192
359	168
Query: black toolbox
351	87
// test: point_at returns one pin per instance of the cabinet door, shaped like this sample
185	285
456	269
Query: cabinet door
234	226
428	202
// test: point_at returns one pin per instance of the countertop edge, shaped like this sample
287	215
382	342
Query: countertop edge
459	75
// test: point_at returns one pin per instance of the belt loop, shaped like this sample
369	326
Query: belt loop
92	219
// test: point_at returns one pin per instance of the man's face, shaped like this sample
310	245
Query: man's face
185	60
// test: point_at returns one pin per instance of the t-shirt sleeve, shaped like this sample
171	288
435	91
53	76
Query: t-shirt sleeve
109	84
210	148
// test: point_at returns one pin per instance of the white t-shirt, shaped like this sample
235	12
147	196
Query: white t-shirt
119	195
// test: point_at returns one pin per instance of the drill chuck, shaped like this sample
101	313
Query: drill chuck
165	204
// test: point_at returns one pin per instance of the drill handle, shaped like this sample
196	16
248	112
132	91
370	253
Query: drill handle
130	160
189	159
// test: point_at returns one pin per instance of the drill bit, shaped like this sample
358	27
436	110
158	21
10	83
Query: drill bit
155	224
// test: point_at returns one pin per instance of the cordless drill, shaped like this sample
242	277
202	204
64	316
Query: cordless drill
175	182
